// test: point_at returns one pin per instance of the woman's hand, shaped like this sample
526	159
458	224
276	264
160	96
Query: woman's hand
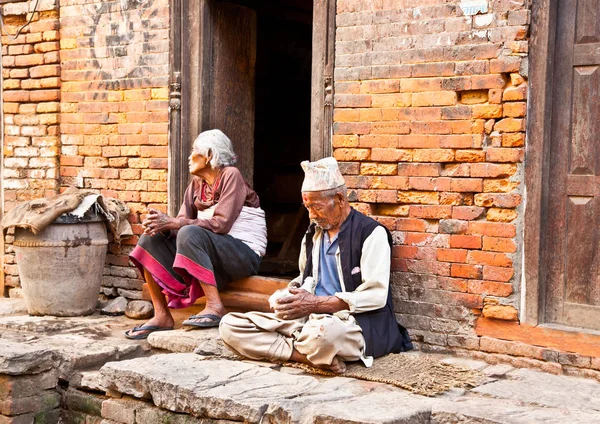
157	222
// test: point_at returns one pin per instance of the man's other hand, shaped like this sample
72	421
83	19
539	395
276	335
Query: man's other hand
298	304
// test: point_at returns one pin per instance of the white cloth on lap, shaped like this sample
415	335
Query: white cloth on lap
250	227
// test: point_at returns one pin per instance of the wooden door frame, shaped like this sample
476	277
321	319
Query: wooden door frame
537	158
190	34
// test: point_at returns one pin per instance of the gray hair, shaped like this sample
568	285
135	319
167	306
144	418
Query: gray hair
219	145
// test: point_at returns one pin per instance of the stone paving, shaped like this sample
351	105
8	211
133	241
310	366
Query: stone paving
187	377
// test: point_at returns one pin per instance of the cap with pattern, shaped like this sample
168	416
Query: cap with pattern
323	174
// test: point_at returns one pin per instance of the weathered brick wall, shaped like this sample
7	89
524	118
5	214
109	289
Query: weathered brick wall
87	105
31	72
430	109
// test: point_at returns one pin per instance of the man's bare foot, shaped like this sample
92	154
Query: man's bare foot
337	366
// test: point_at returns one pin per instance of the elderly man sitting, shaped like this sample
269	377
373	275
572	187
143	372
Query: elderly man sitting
340	307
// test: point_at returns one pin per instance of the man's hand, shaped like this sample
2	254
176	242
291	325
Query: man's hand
301	303
298	304
157	222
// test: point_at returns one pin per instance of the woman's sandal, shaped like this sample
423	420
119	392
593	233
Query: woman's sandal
147	328
214	321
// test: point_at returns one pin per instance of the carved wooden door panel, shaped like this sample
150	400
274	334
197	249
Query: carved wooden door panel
572	234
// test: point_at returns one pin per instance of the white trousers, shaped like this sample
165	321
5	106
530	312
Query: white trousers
321	337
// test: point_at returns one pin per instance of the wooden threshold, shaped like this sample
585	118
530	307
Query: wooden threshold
250	293
579	342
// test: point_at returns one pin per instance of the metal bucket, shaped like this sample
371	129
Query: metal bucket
61	267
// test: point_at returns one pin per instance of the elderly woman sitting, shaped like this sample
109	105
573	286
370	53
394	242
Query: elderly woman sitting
219	236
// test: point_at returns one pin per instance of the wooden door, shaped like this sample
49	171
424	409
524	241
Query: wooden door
213	55
231	80
571	234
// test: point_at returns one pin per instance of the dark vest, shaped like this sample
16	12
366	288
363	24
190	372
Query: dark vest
380	329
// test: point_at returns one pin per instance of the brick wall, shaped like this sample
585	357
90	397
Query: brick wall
430	109
86	101
31	72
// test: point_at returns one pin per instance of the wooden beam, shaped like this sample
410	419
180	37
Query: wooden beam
537	159
323	58
587	344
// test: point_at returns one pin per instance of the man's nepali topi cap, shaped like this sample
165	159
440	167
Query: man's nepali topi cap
323	174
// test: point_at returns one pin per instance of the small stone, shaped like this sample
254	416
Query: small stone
139	309
16	293
115	307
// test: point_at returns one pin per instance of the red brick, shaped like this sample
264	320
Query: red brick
465	242
451	255
515	93
493	229
499	244
501	154
433	69
431	127
430	184
492	170
418	197
71	161
389	182
452	284
427	114
420	84
513	139
458	141
406	252
479	82
29	60
419	169
470	156
505	64
465	271
428	267
380	86
352	155
378	169
487	111
400	127
490	288
433	155
489	258
344	141
391	100
16	96
383	141
507	200
411	224
430	212
45	95
390	155
417	141
435	98
352	100
466	184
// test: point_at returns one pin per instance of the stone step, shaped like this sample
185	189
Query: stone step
246	391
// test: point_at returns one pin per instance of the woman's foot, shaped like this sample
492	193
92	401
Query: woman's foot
210	316
155	324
